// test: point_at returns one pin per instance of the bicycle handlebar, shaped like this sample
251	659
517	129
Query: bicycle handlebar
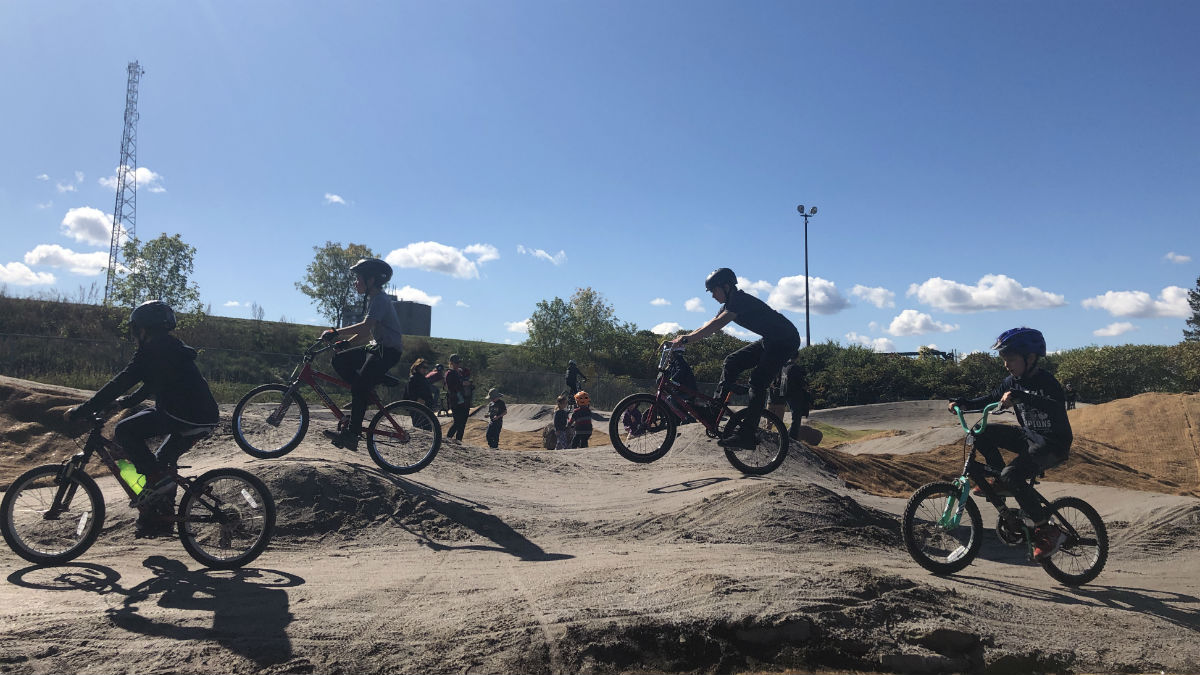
982	423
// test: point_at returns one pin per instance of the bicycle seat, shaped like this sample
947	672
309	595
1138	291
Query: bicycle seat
390	381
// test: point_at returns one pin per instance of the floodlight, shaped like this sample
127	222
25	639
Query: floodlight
813	211
800	208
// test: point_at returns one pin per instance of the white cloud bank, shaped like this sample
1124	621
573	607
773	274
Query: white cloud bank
53	255
666	327
1177	258
146	180
434	257
558	258
993	292
912	322
521	326
331	198
878	344
1114	329
88	225
694	305
416	295
660	302
19	274
1171	302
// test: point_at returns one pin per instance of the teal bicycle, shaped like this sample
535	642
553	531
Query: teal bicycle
943	530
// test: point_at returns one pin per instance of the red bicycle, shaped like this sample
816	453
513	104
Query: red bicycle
643	426
271	420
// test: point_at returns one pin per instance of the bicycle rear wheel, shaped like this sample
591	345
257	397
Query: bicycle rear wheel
641	429
404	437
268	423
43	533
1082	556
769	450
935	537
226	518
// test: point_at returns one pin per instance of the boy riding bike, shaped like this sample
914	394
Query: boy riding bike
379	333
779	344
184	407
1043	439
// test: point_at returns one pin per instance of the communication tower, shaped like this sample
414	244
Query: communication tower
125	210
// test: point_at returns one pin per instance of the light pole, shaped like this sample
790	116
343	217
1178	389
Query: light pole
806	215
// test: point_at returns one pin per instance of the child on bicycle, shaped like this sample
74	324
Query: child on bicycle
779	344
1043	439
575	378
581	420
378	334
184	408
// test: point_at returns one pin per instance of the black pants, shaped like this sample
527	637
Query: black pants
460	412
493	432
581	439
767	359
131	434
363	369
1035	454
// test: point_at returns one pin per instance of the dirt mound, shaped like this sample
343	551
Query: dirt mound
775	513
1161	533
32	429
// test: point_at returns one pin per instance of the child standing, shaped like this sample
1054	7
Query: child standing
495	412
561	431
581	419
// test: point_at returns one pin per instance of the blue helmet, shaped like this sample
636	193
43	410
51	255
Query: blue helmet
1021	340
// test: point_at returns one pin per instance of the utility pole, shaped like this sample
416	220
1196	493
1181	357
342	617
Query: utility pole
125	209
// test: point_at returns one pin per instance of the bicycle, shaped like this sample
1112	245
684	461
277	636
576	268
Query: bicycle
643	426
51	514
943	542
272	419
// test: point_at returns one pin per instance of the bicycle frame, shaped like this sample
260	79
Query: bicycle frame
666	387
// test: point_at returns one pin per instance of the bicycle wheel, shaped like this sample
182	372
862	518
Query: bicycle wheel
1083	554
641	429
769	451
268	423
941	548
404	437
43	533
226	518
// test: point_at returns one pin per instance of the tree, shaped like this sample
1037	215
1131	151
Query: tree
1193	334
328	280
158	270
551	334
584	328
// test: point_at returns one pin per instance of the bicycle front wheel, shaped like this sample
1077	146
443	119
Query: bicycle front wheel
939	538
226	518
1083	554
641	429
49	521
404	437
770	448
268	422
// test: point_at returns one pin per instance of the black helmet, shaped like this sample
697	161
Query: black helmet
1022	341
152	315
373	267
720	277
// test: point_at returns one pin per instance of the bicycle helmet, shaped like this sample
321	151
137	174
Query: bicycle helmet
1021	340
582	399
373	267
153	315
720	277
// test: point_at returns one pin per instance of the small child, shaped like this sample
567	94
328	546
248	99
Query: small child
561	431
581	419
495	412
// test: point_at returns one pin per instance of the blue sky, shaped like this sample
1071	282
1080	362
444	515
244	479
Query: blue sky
976	165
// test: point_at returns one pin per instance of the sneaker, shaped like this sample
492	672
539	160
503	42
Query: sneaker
347	440
1046	540
159	490
1000	488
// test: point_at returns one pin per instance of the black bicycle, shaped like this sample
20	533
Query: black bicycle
943	529
51	514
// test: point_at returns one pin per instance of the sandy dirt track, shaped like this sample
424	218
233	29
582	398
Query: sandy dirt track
525	560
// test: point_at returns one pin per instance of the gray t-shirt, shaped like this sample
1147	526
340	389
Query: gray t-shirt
387	325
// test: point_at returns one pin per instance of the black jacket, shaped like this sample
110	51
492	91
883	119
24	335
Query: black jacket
166	368
1039	402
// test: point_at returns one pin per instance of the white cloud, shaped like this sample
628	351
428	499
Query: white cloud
146	180
993	292
42	176
46	205
460	303
88	225
666	327
789	294
558	258
416	295
78	176
880	297
740	333
232	303
1114	329
521	326
434	257
53	255
873	326
660	302
1178	258
878	344
694	305
912	322
1171	302
69	187
331	198
19	274
754	287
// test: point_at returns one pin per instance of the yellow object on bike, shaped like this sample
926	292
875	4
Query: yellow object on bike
130	475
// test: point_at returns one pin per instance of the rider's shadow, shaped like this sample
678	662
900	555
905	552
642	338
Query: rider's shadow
250	611
1177	608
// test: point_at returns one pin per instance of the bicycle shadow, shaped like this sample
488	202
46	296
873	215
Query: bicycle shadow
687	485
249	607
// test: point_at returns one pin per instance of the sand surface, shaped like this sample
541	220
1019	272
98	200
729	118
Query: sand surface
527	560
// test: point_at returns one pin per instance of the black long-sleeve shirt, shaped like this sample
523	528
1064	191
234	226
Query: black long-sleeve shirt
1039	402
166	367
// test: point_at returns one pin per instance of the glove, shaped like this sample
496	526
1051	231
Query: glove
329	335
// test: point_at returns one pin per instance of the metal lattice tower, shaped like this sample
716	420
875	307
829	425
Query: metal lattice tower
125	210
